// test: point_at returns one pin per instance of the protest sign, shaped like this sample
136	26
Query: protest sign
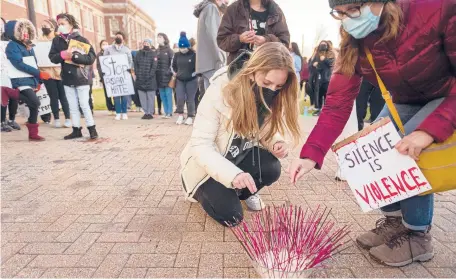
376	172
45	104
15	73
45	101
77	46
42	50
116	75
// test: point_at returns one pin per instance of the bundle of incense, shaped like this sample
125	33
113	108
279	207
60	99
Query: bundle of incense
288	242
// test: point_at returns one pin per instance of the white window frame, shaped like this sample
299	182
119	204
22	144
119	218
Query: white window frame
87	18
111	29
54	7
20	3
41	2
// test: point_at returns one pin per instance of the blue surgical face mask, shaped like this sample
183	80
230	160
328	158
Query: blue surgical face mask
362	26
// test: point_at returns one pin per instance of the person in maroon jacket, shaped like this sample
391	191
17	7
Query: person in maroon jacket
414	48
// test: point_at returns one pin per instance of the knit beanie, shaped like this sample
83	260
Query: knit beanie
183	41
149	41
333	3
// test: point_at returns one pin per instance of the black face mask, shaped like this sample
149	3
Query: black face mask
118	41
323	48
146	47
46	31
268	94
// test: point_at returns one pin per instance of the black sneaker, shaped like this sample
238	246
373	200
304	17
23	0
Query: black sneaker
150	116
145	116
77	133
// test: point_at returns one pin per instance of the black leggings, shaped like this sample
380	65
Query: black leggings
28	96
57	92
12	108
222	203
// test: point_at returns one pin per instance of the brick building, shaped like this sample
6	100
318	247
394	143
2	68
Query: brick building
99	19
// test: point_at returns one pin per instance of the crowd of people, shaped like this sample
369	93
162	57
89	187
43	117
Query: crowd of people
240	83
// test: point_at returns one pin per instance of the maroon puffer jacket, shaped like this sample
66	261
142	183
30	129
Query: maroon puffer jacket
417	67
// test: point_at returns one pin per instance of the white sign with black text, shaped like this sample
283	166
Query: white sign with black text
116	75
376	172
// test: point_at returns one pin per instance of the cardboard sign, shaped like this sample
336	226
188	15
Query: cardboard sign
116	75
42	50
45	101
77	46
376	172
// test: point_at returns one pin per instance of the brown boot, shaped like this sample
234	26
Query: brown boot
404	248
385	229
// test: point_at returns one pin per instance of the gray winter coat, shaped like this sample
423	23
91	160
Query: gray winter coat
114	50
211	57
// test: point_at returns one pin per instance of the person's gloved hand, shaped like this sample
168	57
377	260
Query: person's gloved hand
44	76
66	55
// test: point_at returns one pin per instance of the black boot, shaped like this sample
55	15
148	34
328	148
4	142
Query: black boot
77	133
93	132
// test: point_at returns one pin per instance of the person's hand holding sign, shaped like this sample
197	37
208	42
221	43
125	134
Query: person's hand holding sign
247	37
414	143
245	180
299	167
280	150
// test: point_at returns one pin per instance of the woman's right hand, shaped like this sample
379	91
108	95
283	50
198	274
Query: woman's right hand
245	180
247	37
299	167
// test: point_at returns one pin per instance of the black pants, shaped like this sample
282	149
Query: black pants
321	95
368	94
159	102
223	204
57	92
12	108
28	96
4	109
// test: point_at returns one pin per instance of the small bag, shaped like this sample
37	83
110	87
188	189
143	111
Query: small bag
172	82
438	161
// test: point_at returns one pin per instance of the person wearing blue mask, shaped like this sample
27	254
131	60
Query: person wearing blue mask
413	48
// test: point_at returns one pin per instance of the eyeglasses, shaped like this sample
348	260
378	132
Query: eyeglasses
353	12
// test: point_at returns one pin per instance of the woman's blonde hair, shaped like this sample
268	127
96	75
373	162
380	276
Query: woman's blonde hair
240	96
349	47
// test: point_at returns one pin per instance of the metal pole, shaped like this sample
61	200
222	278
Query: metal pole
31	11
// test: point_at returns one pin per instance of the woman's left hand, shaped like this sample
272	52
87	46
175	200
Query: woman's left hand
414	143
280	150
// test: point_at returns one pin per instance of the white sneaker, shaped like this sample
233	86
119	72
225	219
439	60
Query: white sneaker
57	123
138	109
117	117
255	203
189	121
167	116
180	120
124	116
68	123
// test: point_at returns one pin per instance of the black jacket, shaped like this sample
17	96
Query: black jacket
184	65
146	62
324	68
73	75
164	74
100	73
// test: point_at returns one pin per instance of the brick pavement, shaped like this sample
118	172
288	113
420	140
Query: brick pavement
113	208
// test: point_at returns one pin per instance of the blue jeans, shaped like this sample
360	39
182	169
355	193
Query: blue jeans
417	211
120	104
166	95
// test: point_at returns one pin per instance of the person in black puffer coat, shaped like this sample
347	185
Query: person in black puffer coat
321	67
164	74
76	77
146	82
184	67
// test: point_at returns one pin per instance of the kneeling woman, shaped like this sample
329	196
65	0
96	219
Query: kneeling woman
237	135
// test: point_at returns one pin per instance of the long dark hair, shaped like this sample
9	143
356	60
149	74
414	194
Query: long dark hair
164	37
295	49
